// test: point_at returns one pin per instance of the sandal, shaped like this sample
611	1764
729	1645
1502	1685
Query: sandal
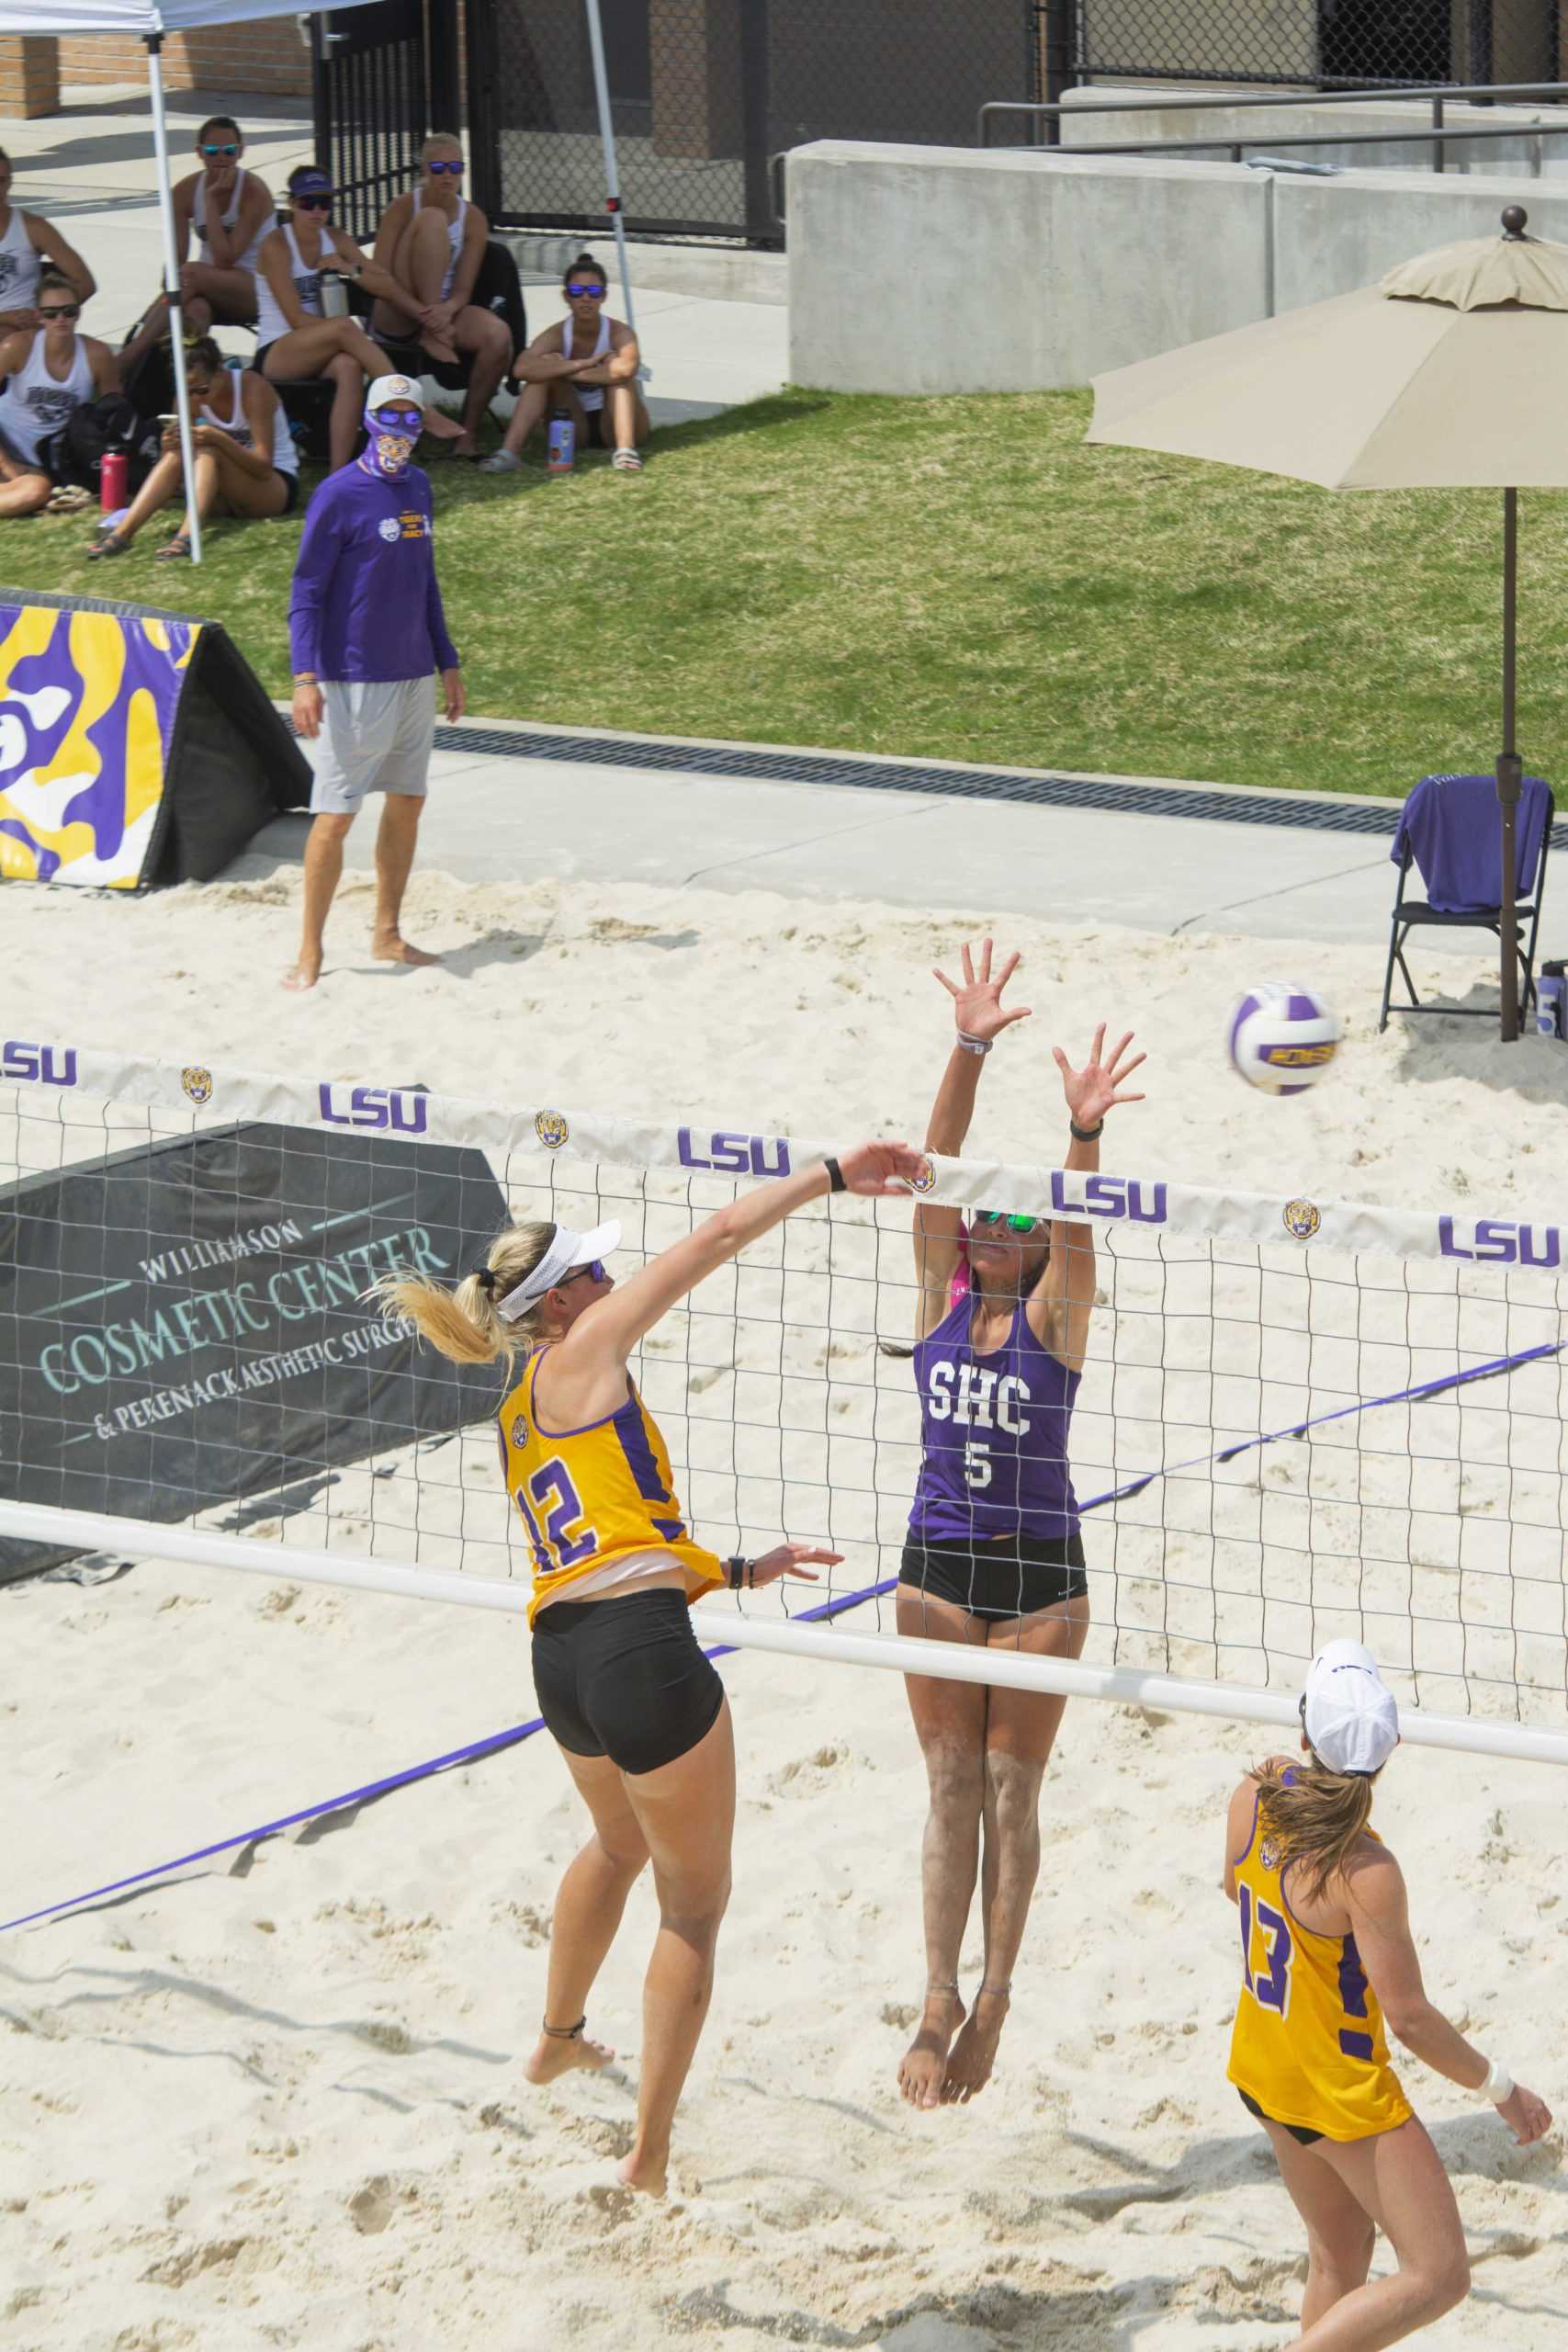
501	461
626	461
107	543
175	550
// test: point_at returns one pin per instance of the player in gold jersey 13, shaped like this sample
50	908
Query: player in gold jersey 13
637	1712
1328	1961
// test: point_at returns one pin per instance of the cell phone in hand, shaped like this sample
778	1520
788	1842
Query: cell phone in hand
169	420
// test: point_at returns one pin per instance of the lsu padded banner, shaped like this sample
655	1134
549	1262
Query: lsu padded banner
135	746
185	1322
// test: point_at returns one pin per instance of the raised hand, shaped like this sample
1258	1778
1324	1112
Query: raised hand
1097	1088
789	1560
880	1170
977	1005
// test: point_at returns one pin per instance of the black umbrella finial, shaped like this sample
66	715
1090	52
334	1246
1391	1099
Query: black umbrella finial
1514	219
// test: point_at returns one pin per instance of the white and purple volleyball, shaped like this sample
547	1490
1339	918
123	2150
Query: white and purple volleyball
1283	1036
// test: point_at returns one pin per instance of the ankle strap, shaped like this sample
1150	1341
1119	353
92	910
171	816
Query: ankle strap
564	2033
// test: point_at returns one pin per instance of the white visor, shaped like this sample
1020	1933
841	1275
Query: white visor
1349	1712
567	1250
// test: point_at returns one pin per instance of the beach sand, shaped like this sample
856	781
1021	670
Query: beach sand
277	2098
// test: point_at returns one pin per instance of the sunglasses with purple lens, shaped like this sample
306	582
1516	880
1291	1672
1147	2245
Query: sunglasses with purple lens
453	167
592	289
400	420
594	1271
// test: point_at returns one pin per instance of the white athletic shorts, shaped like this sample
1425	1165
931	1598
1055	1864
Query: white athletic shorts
376	736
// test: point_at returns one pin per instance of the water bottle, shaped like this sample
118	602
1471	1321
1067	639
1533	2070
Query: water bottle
334	295
1551	1020
114	480
563	445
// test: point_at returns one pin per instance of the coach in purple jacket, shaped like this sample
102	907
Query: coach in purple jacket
367	630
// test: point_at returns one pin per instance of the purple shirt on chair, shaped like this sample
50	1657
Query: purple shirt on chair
1451	827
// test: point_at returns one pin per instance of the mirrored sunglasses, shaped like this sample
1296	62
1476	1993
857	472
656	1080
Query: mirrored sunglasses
1021	1226
400	420
594	1270
453	167
230	147
593	291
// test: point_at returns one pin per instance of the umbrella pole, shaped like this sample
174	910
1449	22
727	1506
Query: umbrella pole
155	44
1510	771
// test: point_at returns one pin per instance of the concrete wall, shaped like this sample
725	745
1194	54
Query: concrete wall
1154	114
1033	272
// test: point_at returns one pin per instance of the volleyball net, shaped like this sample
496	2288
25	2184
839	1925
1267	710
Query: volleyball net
1299	1419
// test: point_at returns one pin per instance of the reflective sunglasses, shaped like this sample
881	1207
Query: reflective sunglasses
595	1269
594	292
315	200
61	310
231	148
1021	1226
400	420
453	167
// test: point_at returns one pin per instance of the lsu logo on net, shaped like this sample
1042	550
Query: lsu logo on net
1499	1241
396	1110
25	1065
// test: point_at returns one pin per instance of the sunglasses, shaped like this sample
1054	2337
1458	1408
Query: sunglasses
61	310
400	420
453	167
230	149
592	293
318	199
594	1271
1021	1226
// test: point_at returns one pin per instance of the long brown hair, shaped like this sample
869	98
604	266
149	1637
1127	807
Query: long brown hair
462	1323
1315	1817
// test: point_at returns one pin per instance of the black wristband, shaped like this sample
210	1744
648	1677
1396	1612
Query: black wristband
835	1175
1085	1135
735	1572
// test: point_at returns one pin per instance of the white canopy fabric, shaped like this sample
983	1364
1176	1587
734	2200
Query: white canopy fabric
140	18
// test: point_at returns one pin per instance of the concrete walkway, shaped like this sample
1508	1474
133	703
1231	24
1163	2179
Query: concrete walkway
635	816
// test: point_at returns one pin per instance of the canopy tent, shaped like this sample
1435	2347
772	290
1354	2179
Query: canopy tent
149	23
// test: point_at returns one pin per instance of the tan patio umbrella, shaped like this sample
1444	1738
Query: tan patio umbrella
1448	375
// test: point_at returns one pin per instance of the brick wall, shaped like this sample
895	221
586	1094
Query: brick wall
28	84
265	54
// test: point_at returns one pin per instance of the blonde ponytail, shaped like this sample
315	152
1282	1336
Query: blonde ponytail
1315	1819
463	1324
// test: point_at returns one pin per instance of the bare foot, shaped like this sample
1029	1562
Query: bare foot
647	2173
554	2055
390	948
465	446
305	973
924	2062
974	2053
437	423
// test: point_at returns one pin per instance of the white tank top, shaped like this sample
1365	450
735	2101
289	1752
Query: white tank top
19	265
284	455
229	215
591	395
35	404
454	239
270	320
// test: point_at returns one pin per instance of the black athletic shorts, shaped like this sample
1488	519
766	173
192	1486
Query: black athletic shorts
1297	2130
1010	1577
625	1679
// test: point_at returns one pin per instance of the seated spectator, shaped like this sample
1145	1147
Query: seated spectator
432	242
246	463
584	369
27	244
294	336
50	371
228	212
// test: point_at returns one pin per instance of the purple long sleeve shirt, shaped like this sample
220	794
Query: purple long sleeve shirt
364	603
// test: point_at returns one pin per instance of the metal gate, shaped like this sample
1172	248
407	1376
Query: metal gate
705	94
378	84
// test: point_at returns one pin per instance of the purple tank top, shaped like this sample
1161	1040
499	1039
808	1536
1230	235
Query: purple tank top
993	1436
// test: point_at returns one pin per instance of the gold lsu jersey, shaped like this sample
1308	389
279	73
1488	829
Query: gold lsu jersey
1308	2044
590	1496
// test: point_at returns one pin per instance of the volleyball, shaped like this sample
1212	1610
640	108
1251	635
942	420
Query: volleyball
1283	1036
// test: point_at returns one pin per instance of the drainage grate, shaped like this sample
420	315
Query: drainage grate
952	783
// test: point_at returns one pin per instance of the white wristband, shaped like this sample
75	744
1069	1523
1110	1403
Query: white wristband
969	1045
1498	2085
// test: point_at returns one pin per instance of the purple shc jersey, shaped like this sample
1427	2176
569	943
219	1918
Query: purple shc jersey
993	1436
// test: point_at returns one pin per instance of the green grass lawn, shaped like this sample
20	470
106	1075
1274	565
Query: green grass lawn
961	579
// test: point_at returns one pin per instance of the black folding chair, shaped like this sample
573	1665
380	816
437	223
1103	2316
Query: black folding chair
1450	831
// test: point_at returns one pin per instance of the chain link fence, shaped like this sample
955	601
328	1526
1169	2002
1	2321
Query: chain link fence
707	95
1315	44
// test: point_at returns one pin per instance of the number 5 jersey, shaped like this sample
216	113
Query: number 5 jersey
993	1436
595	1499
1308	2045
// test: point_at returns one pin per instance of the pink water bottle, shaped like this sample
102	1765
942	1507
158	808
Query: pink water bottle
114	480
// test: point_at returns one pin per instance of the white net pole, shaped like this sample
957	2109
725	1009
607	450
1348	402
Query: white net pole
943	1661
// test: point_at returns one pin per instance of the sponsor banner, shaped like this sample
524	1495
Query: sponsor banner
58	1071
185	1322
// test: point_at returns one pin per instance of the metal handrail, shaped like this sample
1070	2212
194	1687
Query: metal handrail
1439	95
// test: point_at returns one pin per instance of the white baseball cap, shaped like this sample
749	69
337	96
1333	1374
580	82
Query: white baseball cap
567	1252
386	389
1348	1710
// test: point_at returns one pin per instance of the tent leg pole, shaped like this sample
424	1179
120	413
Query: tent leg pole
607	138
1510	771
172	284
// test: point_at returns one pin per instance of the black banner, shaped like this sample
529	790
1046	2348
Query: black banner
184	1323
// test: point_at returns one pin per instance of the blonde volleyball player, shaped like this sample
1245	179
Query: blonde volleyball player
1328	1958
994	1556
637	1712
